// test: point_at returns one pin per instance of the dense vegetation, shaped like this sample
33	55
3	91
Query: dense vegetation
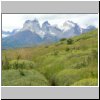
69	62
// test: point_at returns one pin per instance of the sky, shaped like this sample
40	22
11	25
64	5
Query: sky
16	21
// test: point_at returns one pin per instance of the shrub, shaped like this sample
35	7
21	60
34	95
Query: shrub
68	77
22	64
61	42
55	52
30	78
46	46
79	65
95	53
5	63
86	82
50	72
63	39
57	44
21	72
67	49
69	41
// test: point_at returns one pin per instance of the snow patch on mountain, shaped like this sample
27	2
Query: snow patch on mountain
5	35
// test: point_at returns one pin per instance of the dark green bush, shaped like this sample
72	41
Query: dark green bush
69	41
67	49
63	39
21	72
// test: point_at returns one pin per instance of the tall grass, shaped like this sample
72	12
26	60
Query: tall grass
5	63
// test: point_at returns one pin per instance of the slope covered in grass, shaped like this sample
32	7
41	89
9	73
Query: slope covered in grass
68	62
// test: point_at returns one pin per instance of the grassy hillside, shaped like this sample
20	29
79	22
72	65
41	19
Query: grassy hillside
69	62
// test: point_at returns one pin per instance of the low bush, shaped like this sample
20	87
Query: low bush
5	63
50	72
67	49
67	77
63	39
55	52
22	64
21	72
69	41
87	82
30	78
46	46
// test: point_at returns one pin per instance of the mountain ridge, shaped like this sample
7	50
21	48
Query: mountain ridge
36	34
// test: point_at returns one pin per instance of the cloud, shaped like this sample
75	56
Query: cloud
16	21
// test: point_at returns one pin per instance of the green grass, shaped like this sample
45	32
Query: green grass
68	62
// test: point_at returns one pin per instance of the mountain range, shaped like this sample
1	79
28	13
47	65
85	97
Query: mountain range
32	34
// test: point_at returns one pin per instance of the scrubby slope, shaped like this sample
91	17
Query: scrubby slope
68	62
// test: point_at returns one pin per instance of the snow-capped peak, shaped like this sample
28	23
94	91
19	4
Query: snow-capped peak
5	35
15	30
68	29
33	25
67	25
91	27
70	23
46	24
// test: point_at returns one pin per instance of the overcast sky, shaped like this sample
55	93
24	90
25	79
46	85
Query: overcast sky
16	21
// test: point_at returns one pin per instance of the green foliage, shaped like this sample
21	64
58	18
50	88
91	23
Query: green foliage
18	57
22	64
95	53
59	64
63	39
21	72
46	46
69	41
30	78
87	82
70	76
67	49
56	52
5	63
50	72
91	34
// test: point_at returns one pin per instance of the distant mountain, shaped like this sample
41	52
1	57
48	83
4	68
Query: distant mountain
33	26
32	33
7	33
21	39
89	28
70	29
